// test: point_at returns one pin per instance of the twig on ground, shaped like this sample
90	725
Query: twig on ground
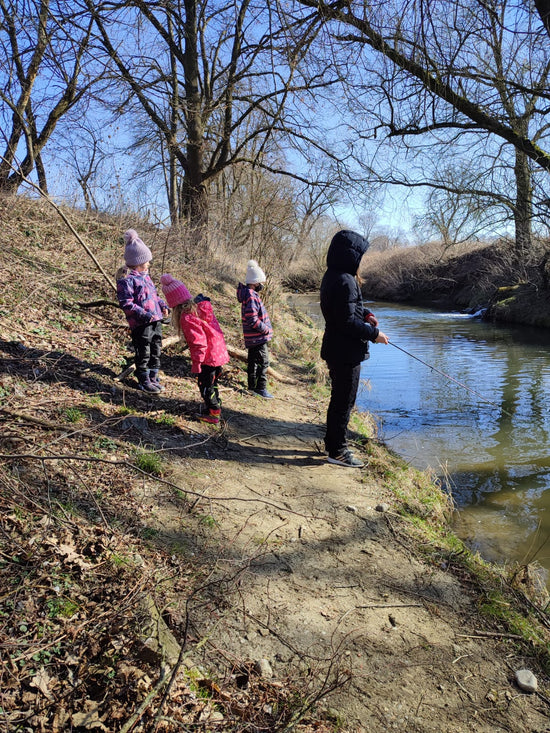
490	635
392	605
131	466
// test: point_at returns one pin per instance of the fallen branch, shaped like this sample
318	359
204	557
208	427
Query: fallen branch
66	220
242	355
239	354
98	303
165	678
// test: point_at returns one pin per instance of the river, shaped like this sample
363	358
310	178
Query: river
487	441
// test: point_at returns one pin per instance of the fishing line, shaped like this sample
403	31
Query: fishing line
451	379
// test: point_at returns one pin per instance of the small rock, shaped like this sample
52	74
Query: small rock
526	680
263	668
382	507
351	508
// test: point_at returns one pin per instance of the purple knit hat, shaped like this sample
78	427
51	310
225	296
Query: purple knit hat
174	291
136	251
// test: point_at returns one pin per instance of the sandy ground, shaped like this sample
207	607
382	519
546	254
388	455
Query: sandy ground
324	585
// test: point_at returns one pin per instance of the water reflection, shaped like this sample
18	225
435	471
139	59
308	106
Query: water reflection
493	455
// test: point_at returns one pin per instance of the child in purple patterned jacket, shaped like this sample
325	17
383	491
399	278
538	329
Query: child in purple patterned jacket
144	311
257	329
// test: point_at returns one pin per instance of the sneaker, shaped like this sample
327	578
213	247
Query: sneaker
148	386
346	459
264	393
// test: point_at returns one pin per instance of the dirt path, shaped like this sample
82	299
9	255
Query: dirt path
328	585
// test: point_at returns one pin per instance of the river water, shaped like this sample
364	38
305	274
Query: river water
494	455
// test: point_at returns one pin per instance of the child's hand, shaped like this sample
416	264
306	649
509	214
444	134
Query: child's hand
371	318
381	338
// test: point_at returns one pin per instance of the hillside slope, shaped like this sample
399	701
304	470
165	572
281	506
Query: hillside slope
159	574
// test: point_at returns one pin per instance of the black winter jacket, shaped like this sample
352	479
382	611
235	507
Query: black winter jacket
346	338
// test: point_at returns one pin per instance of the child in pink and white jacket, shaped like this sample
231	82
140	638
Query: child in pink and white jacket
195	321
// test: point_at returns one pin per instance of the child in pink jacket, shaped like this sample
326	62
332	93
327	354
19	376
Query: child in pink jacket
196	322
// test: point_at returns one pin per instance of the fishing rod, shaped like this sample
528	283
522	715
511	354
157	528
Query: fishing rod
451	379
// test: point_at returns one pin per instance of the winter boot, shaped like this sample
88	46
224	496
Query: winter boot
264	393
145	384
154	379
212	417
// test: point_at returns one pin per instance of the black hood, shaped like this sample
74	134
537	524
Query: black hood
345	251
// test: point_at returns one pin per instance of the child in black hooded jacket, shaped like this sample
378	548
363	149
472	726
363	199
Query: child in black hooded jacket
348	329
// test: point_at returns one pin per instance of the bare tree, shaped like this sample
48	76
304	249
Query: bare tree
215	82
81	146
257	214
469	70
41	54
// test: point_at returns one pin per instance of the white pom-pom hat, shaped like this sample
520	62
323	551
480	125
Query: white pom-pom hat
254	273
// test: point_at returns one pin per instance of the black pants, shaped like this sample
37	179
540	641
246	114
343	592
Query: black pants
208	386
258	362
345	382
147	342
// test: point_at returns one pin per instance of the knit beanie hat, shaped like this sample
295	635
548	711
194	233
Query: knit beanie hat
254	273
174	291
136	251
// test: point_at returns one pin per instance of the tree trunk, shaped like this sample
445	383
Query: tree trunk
194	202
41	173
543	8
174	112
523	207
173	189
194	210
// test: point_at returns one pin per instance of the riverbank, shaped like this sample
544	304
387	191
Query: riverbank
162	574
509	288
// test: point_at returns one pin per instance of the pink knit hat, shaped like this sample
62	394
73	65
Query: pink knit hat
136	251
174	291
